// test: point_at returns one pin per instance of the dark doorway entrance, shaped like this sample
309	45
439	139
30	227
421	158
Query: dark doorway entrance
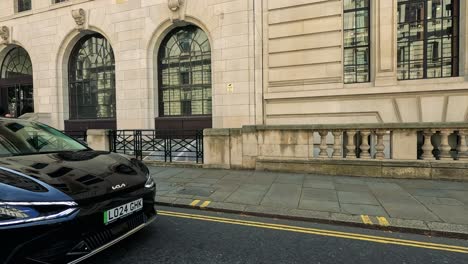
17	99
16	89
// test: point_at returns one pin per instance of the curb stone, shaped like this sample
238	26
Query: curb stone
395	224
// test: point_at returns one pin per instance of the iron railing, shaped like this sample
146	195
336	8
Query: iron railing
159	145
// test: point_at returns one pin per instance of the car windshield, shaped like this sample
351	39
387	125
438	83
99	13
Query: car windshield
28	138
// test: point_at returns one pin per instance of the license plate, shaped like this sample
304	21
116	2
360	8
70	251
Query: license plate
121	211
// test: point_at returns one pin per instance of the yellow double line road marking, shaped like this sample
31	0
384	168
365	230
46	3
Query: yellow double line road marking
320	232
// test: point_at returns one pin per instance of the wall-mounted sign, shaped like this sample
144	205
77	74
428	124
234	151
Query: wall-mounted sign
230	87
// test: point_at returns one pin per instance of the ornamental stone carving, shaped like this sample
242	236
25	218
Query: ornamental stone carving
80	18
178	8
4	35
174	5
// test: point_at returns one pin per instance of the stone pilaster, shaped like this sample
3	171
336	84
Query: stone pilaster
385	33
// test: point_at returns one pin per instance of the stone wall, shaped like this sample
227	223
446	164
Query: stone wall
135	28
274	62
304	75
378	150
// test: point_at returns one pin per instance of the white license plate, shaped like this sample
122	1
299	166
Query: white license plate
122	211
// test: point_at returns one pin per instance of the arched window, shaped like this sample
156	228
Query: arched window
92	79
16	88
185	73
16	64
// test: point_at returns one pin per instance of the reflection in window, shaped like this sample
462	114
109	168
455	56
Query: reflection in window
427	39
92	79
185	73
356	41
23	5
16	64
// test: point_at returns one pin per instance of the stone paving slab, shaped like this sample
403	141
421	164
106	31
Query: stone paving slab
248	194
425	205
283	195
324	206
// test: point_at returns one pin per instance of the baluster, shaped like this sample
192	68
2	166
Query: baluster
427	147
351	147
444	145
337	146
380	147
323	144
365	145
463	148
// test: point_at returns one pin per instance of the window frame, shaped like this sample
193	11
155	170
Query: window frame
10	58
73	80
18	5
455	42
368	8
182	88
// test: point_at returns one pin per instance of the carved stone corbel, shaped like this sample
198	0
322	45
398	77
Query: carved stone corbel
177	8
80	18
4	35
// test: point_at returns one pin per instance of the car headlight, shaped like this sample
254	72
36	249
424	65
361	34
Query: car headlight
17	213
149	181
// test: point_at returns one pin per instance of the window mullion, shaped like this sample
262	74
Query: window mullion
425	39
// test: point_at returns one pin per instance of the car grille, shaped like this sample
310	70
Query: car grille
100	238
89	241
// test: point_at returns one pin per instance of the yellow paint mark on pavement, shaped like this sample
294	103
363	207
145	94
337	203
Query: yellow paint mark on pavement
320	232
383	221
195	202
205	204
366	220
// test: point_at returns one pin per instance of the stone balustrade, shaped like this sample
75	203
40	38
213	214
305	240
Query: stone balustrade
411	150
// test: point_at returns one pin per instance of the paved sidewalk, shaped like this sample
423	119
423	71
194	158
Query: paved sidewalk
437	207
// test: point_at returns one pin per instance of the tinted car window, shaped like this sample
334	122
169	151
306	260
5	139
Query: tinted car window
26	138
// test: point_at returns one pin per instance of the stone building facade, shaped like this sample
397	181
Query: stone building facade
113	63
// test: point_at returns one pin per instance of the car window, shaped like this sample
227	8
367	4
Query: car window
3	150
24	138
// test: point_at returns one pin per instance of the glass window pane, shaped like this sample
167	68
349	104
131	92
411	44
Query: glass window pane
24	5
356	41
349	57
92	76
427	38
349	38
362	56
349	20
185	64
349	4
362	37
16	63
350	74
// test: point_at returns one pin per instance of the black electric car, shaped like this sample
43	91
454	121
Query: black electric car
60	201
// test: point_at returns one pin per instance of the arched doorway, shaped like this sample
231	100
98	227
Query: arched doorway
91	85
16	83
184	71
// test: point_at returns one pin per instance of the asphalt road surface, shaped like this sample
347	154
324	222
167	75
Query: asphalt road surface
193	236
